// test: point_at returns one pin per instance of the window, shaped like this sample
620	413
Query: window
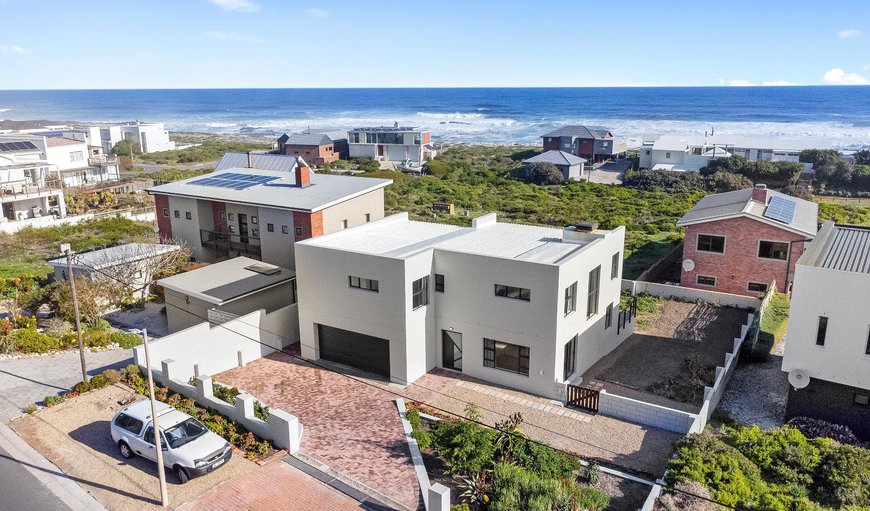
420	292
773	250
128	423
270	228
570	358
667	155
253	219
570	298
187	215
505	356
177	213
344	224
76	156
439	283
867	349
285	229
517	293
822	331
298	231
166	212
706	281
232	229
861	400
232	216
756	287
368	217
608	316
293	293
361	283
614	266
223	215
708	243
255	231
592	295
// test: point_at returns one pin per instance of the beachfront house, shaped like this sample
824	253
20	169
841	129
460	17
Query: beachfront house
827	354
671	152
522	306
315	148
592	143
249	210
29	187
569	165
391	143
740	242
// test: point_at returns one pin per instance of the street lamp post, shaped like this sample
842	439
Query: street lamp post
65	249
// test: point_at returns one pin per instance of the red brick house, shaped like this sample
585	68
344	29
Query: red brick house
315	148
739	242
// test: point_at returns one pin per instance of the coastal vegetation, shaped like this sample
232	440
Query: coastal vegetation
208	150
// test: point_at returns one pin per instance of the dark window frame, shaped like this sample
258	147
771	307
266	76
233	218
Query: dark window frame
166	212
863	401
176	214
770	252
614	266
420	292
708	244
270	227
490	359
513	292
593	292
867	348
439	283
821	331
570	299
363	283
758	285
570	363
699	277
608	316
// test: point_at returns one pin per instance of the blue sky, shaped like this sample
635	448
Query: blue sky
56	44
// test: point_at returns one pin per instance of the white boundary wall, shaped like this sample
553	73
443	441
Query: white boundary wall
636	287
140	215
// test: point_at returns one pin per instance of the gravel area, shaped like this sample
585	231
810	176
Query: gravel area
74	435
151	317
757	393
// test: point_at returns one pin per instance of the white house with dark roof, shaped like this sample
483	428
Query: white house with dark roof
571	166
523	306
262	213
827	354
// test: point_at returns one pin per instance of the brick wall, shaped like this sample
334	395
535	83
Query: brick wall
740	263
830	402
164	222
310	223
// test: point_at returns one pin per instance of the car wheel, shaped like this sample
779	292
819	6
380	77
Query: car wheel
125	450
183	478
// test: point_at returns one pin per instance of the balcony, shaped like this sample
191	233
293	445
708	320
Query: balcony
12	191
103	160
223	241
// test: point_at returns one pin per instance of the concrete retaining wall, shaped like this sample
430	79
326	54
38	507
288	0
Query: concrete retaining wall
687	293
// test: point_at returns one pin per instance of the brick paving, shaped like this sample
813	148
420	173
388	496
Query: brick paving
351	427
275	486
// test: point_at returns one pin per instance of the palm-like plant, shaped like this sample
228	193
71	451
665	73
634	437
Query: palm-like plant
475	490
508	433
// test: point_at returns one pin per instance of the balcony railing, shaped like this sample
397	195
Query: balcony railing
20	190
217	240
103	160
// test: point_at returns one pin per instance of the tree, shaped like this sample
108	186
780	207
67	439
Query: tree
94	299
837	172
123	147
726	182
801	192
861	177
144	262
862	157
545	174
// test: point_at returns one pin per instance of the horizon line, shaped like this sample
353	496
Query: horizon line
717	86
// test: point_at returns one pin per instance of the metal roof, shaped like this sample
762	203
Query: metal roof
311	139
262	161
323	191
596	132
114	256
682	143
225	281
840	247
721	206
556	158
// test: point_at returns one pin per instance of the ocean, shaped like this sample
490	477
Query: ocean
839	116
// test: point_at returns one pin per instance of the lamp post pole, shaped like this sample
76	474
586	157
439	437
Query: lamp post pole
161	470
65	248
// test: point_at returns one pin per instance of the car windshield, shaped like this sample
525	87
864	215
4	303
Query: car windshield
184	432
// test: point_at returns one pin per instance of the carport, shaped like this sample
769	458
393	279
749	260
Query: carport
354	349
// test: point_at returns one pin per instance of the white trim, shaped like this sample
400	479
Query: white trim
764	220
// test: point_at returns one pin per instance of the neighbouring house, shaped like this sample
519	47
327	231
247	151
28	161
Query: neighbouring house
827	354
29	187
226	290
131	264
151	136
527	307
315	148
739	242
79	164
571	166
593	143
671	152
259	213
395	144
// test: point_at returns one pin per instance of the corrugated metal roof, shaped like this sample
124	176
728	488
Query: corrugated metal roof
114	256
281	162
720	206
556	158
596	132
849	250
312	139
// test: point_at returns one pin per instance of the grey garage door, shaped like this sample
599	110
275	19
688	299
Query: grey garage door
355	349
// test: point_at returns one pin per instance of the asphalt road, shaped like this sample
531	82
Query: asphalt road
21	491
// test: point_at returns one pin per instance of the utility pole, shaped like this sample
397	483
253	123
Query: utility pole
65	248
161	470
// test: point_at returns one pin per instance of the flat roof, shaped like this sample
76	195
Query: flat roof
388	129
398	237
114	256
681	143
228	280
282	192
841	248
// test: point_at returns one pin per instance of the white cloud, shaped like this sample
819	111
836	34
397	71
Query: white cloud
778	83
10	50
237	5
232	37
740	83
847	33
317	13
837	76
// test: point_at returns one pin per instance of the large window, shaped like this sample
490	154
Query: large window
570	357
420	292
708	243
517	293
822	331
773	250
439	282
592	296
361	283
570	298
505	356
614	266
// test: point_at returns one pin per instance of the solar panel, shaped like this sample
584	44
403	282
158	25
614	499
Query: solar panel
781	209
17	146
233	180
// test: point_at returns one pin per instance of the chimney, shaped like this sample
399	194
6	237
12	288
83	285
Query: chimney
303	174
250	160
759	193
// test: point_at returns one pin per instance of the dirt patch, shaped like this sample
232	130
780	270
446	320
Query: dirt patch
75	436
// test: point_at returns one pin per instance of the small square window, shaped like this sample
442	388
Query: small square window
285	229
232	228
706	281
344	224
255	231
166	212
177	213
187	215
253	219
298	231
231	216
368	217
223	215
861	400
270	227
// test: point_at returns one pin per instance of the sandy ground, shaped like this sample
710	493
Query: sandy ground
75	436
151	318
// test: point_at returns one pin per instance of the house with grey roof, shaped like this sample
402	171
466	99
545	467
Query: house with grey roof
827	356
571	166
261	161
742	242
591	142
316	148
261	213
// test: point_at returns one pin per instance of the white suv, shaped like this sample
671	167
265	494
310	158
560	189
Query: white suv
189	448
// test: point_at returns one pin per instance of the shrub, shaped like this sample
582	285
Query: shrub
515	489
423	438
843	477
81	387
25	322
99	381
125	340
784	454
545	174
133	377
227	394
31	409
543	460
52	400
113	375
261	411
93	338
31	341
466	447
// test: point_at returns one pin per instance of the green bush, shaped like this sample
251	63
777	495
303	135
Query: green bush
783	454
125	340
133	378
466	447
82	387
543	460
52	400
423	438
92	338
843	476
31	341
515	489
261	411
99	381
227	394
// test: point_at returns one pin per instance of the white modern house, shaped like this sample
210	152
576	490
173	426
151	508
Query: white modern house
29	187
828	351
395	144
79	164
671	152
522	306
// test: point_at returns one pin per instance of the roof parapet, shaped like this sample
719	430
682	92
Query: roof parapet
484	221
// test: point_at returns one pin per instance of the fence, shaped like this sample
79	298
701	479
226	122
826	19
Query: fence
636	287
